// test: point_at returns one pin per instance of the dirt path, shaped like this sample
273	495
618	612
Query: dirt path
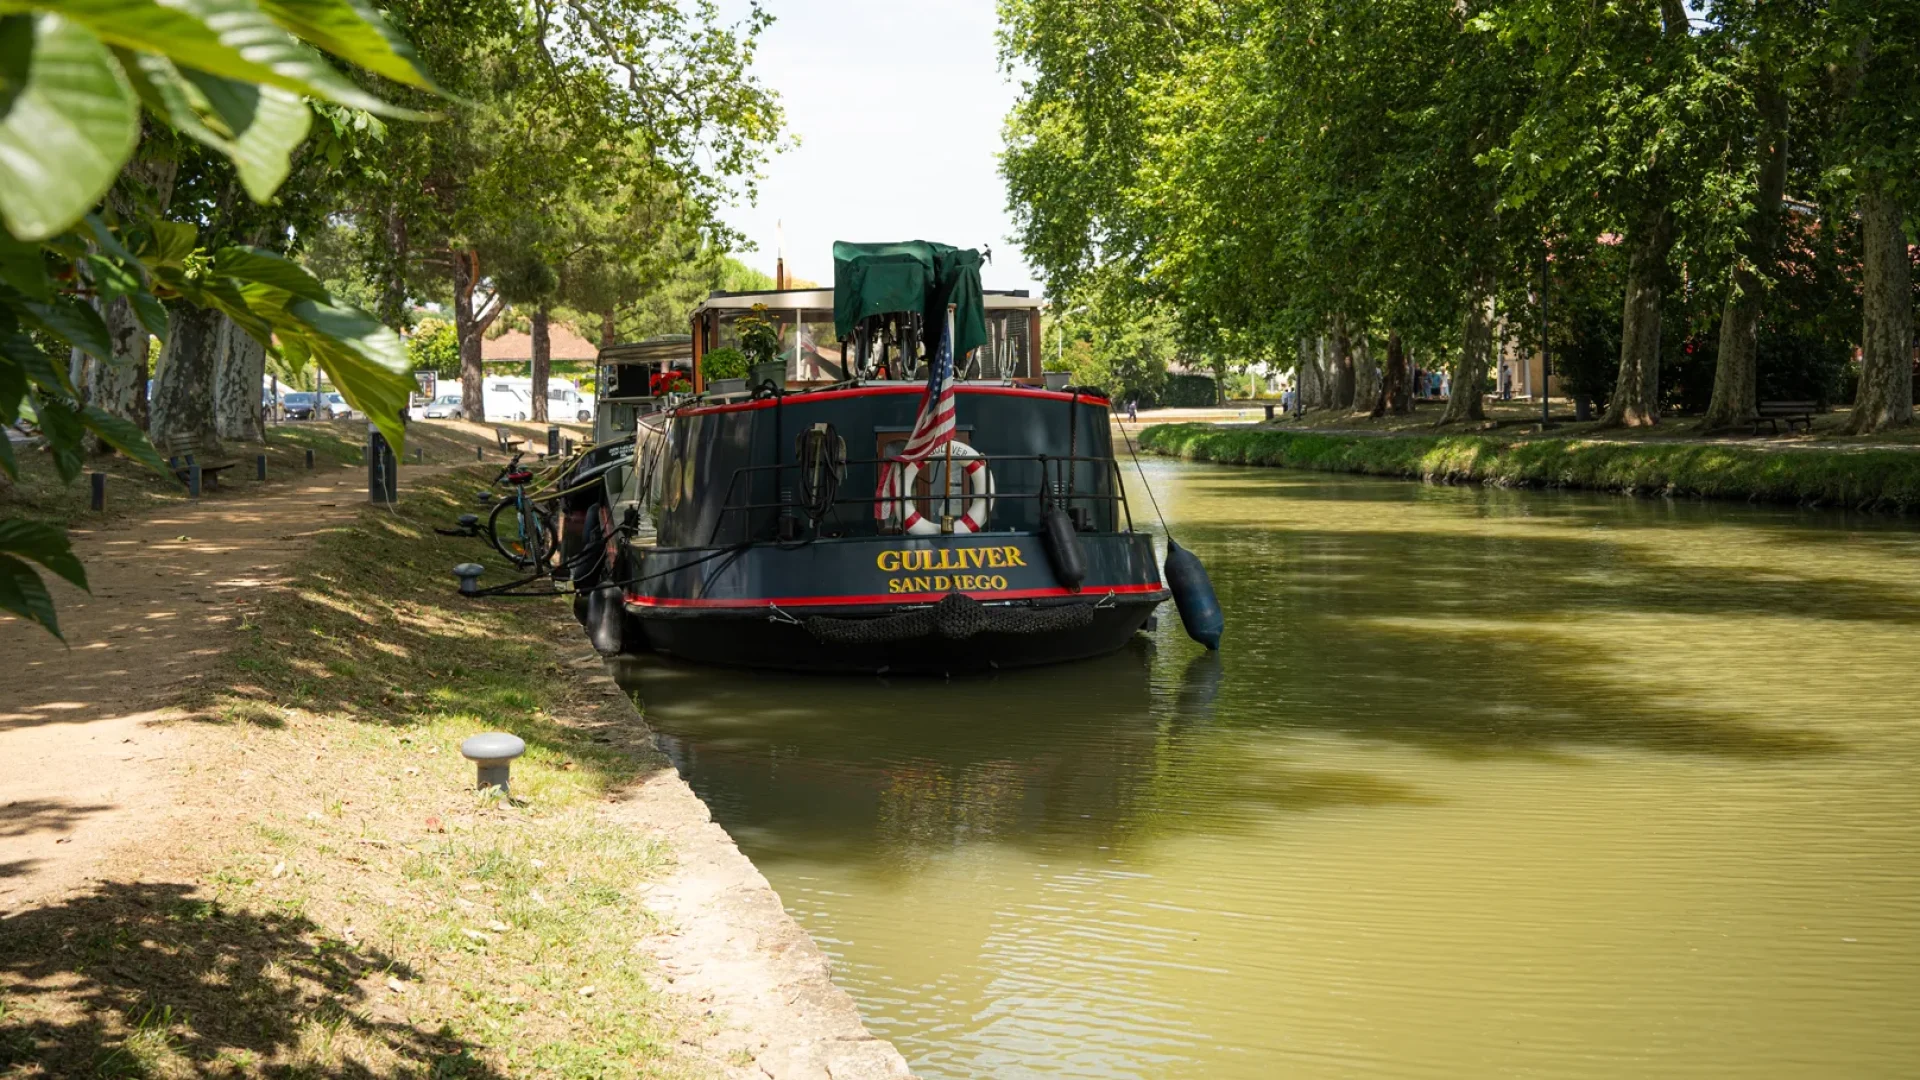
83	767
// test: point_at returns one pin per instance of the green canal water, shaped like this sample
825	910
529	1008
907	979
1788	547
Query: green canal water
1482	783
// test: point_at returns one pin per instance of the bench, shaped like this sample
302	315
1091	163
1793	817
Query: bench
188	454
1793	412
509	442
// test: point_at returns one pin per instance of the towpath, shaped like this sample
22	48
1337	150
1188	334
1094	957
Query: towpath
84	768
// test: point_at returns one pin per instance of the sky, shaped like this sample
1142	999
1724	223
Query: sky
898	106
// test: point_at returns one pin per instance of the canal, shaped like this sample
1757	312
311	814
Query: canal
1482	782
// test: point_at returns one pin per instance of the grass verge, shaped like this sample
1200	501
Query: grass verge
39	494
1876	479
342	903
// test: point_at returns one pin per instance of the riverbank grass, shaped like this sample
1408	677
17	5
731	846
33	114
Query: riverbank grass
338	899
1877	479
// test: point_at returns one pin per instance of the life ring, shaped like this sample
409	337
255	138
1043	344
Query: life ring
979	481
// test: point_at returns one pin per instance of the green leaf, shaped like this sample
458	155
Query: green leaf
364	358
24	267
275	122
256	127
166	244
111	279
260	265
151	313
232	39
61	425
27	357
71	127
73	321
125	437
22	593
44	544
13	377
354	31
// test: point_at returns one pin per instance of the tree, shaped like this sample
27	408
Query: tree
559	105
73	82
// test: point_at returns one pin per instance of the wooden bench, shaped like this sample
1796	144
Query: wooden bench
509	442
1793	412
188	454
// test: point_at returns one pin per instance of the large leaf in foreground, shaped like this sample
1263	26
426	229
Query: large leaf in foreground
22	592
355	31
232	39
364	358
72	123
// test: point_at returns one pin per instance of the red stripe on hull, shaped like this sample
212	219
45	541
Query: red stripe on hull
1087	591
798	398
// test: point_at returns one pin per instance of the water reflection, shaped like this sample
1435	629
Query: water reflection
1482	781
882	773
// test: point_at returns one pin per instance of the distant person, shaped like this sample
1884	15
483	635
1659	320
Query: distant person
1133	410
1506	383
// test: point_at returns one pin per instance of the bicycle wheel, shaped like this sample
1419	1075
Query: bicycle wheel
513	528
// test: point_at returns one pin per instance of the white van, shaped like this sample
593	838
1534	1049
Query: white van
565	402
507	398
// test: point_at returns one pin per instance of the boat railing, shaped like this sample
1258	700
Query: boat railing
1056	486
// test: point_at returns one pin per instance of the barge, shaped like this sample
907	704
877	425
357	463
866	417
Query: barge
897	491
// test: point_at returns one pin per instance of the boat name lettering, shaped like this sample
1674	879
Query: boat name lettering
946	583
966	558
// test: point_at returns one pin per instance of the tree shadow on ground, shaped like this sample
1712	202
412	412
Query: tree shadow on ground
23	817
149	980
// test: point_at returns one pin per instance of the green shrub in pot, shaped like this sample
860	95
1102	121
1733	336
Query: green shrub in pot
728	363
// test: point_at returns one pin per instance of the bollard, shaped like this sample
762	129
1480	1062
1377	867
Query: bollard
260	467
493	752
99	499
553	440
383	471
566	445
469	572
419	455
193	477
1269	411
309	459
479	453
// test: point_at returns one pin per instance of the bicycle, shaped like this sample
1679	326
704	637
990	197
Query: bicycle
528	538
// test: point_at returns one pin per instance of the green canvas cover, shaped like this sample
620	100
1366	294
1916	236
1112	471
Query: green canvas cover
915	275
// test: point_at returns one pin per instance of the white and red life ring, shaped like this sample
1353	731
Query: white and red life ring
979	482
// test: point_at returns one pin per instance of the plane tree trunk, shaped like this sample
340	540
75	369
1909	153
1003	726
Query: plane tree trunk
1307	374
1396	382
1366	376
239	374
1340	377
1636	394
1885	398
1736	375
182	412
1469	373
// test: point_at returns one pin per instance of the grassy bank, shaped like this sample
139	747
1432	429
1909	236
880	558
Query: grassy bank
1863	478
336	899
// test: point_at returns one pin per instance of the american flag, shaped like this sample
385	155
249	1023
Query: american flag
932	429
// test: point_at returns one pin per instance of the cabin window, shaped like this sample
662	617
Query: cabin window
820	357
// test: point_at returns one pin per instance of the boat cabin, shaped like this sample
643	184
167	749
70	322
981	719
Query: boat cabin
890	349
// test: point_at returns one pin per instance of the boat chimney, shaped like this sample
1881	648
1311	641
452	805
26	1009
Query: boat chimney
779	254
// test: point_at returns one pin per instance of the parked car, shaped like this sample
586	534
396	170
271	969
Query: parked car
336	408
445	407
299	404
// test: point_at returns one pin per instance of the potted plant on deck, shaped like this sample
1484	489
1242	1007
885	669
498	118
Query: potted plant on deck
761	344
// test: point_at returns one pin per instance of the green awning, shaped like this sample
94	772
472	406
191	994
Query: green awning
916	275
